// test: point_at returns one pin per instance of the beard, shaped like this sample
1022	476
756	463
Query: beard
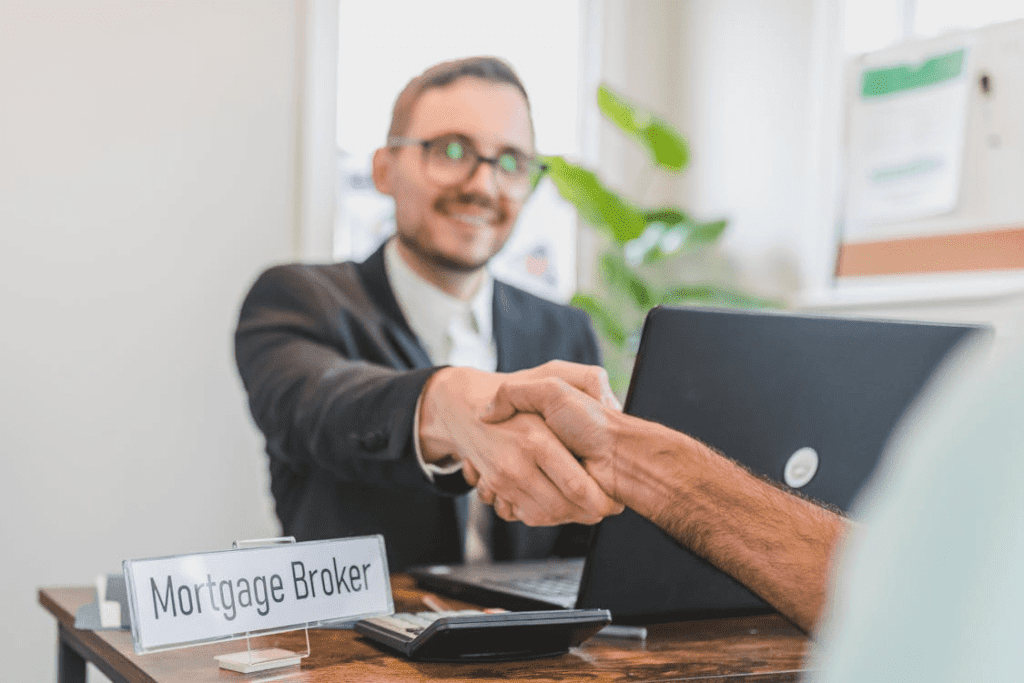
450	204
437	259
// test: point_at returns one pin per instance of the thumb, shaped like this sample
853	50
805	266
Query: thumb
498	410
609	399
525	396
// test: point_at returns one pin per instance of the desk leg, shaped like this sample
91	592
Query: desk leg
70	664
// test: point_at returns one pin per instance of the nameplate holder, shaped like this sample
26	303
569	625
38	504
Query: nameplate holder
248	592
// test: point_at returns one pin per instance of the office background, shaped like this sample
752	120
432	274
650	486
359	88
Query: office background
155	156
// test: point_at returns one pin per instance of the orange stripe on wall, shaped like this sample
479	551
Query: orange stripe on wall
990	250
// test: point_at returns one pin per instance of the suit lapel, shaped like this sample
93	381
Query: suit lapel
375	281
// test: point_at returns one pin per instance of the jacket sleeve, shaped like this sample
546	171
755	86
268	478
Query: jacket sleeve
322	379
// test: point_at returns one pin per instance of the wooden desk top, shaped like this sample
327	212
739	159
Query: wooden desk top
765	649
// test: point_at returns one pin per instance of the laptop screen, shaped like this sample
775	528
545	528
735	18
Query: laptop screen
820	395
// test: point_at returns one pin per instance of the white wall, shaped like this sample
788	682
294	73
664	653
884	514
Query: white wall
733	76
148	171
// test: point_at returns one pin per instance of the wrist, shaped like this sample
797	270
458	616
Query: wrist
651	464
436	445
451	397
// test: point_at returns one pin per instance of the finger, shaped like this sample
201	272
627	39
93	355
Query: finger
485	495
556	487
504	510
577	486
523	396
590	379
515	477
470	473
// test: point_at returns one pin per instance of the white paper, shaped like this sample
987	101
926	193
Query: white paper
906	156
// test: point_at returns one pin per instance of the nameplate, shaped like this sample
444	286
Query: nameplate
211	597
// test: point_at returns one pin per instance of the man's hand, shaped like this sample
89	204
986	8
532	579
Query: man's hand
518	465
583	425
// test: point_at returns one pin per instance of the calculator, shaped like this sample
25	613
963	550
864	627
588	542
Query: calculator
475	636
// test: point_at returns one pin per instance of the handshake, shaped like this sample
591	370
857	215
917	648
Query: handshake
551	445
539	445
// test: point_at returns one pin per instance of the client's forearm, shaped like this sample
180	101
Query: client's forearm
775	543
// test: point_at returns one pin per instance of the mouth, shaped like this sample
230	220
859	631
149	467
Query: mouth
476	221
475	211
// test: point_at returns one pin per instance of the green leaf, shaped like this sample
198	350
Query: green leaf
702	233
609	327
619	275
596	204
667	147
637	251
668	215
683	235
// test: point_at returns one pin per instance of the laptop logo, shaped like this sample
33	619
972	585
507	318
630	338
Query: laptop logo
801	468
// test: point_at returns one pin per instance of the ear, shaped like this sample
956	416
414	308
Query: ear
383	164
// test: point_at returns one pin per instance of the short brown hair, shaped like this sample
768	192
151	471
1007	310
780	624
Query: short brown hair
491	69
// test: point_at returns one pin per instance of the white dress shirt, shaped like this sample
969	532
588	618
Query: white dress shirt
453	332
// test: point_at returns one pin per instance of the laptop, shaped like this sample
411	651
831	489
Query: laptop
819	394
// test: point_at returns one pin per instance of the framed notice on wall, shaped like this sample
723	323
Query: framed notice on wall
935	157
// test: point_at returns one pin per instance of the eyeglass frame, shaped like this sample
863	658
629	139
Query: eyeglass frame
534	168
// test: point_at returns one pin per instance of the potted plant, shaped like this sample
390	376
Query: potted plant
640	240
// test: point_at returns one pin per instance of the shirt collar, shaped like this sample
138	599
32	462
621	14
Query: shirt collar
429	310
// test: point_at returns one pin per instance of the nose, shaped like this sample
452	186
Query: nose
484	178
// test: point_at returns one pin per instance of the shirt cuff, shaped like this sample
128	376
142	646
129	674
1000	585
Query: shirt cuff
430	470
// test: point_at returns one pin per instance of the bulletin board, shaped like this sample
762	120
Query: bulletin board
935	157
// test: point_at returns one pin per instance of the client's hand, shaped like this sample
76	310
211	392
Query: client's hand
584	426
517	464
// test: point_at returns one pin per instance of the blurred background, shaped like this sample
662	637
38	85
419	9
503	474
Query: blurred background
156	156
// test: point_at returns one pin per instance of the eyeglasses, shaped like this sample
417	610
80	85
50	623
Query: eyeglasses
452	159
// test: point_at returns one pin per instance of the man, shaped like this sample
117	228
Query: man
366	432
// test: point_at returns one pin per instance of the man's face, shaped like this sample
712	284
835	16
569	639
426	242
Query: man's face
457	226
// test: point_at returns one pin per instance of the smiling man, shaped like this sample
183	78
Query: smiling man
367	379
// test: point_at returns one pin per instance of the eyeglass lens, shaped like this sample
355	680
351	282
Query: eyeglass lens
451	159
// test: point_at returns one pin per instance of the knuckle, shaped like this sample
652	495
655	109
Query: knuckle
577	489
504	472
534	444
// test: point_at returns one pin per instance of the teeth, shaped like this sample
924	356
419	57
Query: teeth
479	221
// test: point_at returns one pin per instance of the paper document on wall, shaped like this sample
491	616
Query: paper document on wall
908	127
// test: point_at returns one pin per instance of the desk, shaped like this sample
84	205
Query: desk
765	649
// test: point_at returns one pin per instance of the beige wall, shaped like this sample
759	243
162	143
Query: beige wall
149	169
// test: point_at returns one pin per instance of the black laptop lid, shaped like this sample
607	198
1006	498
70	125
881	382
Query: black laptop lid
758	386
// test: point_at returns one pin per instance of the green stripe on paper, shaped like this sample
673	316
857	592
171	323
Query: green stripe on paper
904	77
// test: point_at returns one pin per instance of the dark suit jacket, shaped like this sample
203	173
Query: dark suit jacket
333	373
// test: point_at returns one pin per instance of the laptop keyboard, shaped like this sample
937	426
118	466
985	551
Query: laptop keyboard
548	585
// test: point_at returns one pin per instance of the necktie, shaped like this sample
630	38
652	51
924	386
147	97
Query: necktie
466	348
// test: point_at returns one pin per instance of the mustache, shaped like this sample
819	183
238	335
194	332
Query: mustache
449	203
